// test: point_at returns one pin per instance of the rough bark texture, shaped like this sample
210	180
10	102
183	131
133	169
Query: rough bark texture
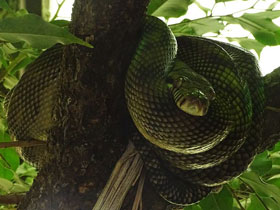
272	118
91	112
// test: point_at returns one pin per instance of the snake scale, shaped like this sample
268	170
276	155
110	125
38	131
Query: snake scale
197	105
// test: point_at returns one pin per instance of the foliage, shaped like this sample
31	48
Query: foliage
21	33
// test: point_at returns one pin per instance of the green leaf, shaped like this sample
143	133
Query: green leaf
217	1
2	59
4	5
255	204
3	122
26	170
168	8
197	27
274	170
271	203
260	25
9	163
220	201
33	30
5	185
274	180
248	44
276	148
61	23
234	183
29	180
21	64
19	188
260	187
261	164
154	5
10	81
11	157
268	37
5	173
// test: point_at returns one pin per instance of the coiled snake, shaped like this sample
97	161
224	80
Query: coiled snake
198	102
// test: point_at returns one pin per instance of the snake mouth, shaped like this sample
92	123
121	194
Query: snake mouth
193	105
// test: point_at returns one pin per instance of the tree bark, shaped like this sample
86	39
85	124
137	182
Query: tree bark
90	111
272	111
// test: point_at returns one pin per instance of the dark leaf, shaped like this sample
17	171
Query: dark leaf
221	201
261	164
4	5
33	30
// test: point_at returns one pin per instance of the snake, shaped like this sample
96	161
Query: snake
196	104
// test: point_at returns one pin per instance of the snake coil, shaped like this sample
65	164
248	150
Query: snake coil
197	105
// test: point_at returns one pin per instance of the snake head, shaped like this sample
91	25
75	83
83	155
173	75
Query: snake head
191	92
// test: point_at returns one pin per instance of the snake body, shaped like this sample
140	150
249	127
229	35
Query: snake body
197	105
30	103
199	152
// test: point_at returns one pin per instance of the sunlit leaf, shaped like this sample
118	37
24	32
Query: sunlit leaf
2	59
217	1
18	188
248	44
9	161
168	8
260	25
33	30
234	183
5	185
26	170
197	27
5	173
11	157
10	81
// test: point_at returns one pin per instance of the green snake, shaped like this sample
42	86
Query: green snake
197	105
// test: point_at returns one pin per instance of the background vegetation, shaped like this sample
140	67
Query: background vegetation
21	36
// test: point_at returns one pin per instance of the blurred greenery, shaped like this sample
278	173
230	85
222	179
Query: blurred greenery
20	43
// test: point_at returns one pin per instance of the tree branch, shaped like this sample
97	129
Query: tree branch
124	175
91	114
11	198
31	143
